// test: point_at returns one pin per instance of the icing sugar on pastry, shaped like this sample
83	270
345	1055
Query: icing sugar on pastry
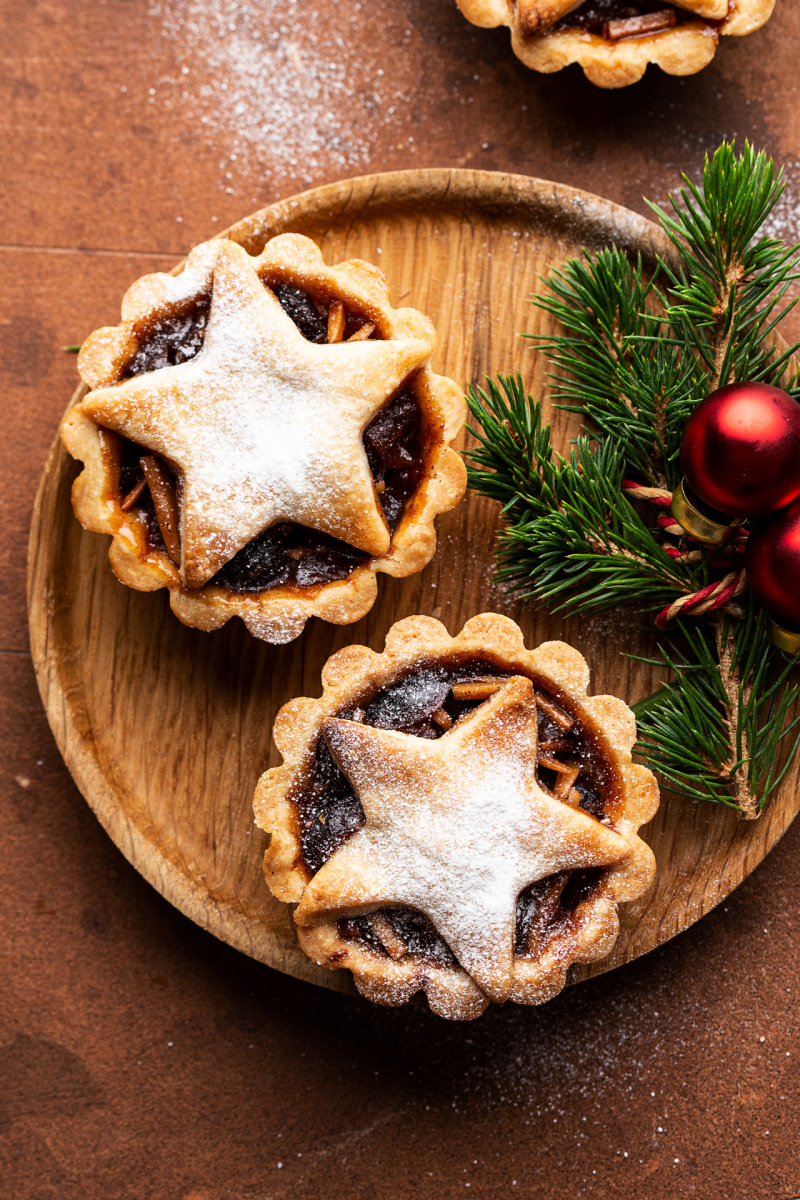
265	435
456	816
263	425
456	828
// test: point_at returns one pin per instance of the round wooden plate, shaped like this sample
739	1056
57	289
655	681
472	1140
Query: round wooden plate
166	729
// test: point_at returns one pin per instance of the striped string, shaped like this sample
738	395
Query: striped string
714	595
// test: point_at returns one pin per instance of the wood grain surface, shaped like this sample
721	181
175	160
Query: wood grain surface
166	729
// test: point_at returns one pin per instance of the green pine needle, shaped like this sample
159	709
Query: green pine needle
634	355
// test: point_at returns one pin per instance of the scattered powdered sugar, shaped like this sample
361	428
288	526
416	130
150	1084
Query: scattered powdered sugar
416	696
457	828
282	84
784	221
264	425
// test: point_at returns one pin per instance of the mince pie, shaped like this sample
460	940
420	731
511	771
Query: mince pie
264	434
614	40
456	816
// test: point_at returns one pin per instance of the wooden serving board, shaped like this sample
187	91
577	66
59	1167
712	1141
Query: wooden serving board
166	729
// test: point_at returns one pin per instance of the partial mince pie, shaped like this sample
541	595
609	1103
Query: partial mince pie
456	816
614	40
262	435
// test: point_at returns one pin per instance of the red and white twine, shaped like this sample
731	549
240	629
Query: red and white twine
714	595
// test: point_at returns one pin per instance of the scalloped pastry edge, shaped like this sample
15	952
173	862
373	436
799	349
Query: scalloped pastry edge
684	50
354	670
277	615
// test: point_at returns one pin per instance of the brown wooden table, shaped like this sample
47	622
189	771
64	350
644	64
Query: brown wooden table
138	1056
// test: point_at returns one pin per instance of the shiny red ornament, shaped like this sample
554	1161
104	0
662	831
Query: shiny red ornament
741	450
772	560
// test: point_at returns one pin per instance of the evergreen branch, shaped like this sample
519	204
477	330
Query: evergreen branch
738	690
604	304
727	297
633	359
514	461
572	537
716	734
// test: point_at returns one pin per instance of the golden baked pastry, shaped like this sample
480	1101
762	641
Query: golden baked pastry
456	816
263	435
614	40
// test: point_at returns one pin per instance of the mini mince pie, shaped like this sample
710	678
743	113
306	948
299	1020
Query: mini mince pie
614	40
263	435
456	816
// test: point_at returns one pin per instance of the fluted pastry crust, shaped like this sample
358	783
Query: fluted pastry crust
323	899
407	343
683	50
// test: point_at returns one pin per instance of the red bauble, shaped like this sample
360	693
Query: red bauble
741	450
772	559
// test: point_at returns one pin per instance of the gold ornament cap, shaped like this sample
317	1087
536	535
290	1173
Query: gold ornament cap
787	640
695	522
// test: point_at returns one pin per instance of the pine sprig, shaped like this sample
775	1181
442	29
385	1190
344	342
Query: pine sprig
728	293
685	728
634	355
572	540
620	367
604	306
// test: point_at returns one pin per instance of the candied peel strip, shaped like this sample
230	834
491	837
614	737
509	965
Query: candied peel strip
364	333
553	764
566	778
547	909
163	494
133	495
443	719
536	16
388	936
653	22
555	713
336	321
477	689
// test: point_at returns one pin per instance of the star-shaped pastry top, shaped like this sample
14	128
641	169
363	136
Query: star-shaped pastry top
455	828
262	426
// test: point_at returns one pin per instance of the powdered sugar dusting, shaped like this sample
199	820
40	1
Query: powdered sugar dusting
288	90
784	220
262	425
456	828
